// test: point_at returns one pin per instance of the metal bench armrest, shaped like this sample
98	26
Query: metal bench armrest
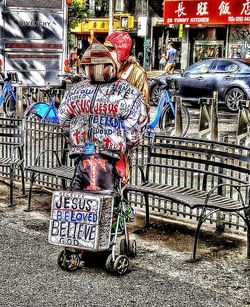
236	187
140	167
17	149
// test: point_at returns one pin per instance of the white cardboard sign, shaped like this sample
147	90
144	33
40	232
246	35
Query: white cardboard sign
76	218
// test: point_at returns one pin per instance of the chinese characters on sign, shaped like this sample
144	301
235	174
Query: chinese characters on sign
206	12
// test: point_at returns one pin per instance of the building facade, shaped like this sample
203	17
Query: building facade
208	29
199	29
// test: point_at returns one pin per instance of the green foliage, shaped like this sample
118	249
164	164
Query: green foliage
78	12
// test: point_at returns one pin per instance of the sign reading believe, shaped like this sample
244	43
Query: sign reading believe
206	12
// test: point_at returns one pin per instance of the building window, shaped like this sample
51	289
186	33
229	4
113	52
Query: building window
119	6
98	8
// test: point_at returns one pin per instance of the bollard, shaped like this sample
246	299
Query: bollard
204	119
178	116
243	121
19	101
214	118
208	121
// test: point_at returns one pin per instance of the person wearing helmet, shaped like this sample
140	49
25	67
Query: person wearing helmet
119	44
104	118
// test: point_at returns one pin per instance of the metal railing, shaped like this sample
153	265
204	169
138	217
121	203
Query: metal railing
40	136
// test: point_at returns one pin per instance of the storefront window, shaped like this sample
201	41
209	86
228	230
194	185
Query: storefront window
239	42
207	49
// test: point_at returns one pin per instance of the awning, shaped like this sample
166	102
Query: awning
206	12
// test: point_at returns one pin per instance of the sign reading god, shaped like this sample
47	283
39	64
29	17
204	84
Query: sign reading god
80	220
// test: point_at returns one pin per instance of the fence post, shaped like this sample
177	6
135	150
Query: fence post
243	121
178	116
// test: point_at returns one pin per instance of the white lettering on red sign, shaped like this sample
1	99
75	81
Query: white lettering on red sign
180	10
246	8
224	8
202	9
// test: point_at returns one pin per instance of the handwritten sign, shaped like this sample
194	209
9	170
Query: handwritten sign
80	220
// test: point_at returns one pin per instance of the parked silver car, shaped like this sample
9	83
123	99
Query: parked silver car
229	77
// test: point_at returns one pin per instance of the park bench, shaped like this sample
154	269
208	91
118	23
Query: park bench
11	153
58	168
198	174
211	177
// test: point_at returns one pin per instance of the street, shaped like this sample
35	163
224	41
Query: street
161	275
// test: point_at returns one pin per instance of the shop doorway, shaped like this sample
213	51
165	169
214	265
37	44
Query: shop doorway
207	43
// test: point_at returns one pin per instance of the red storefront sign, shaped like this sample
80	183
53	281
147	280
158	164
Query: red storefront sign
206	12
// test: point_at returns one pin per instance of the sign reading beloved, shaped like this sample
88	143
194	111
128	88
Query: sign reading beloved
77	219
206	12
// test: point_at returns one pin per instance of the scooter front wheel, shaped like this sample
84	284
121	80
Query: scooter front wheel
128	249
68	260
121	265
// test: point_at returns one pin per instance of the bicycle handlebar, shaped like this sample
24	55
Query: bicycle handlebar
72	76
167	84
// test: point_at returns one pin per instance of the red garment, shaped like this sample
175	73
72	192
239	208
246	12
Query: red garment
122	42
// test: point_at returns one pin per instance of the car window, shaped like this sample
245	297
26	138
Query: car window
225	66
200	67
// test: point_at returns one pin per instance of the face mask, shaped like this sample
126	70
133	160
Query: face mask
98	63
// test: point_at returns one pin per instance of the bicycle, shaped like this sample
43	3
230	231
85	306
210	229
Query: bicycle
165	115
8	98
47	112
44	111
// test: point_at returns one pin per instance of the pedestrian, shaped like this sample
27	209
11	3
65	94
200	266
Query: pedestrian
235	54
119	44
74	58
171	58
103	118
140	58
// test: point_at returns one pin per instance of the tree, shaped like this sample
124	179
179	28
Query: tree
78	11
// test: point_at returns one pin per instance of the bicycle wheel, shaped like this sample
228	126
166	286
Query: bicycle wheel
10	104
167	120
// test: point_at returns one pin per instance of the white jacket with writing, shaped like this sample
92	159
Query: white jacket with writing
111	115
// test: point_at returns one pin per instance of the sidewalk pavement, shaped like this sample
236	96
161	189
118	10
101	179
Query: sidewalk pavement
161	275
155	73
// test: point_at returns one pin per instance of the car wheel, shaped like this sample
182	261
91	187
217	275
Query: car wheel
155	94
233	97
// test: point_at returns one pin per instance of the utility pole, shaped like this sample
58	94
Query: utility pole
111	14
68	2
145	43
